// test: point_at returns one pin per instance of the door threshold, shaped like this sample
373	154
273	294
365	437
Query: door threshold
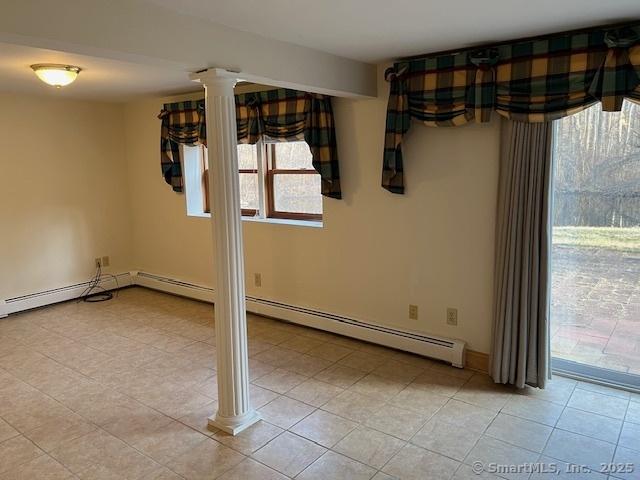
596	375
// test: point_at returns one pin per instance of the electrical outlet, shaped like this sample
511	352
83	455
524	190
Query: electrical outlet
257	279
452	316
98	262
413	312
105	261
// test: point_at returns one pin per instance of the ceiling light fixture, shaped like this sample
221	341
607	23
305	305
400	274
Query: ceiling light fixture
55	74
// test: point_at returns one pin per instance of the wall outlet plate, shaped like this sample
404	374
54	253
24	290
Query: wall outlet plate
413	312
257	279
105	261
452	316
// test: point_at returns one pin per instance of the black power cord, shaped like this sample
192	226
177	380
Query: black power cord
95	292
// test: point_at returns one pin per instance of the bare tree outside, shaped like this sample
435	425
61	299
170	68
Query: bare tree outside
596	239
296	193
248	160
296	185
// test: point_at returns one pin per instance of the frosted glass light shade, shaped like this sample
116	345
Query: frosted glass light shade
56	75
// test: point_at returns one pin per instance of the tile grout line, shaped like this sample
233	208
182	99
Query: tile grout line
334	363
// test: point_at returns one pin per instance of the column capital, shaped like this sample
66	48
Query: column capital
216	78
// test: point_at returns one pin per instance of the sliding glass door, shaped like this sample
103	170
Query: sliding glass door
595	297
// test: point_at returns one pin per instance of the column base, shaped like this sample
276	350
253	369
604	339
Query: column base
234	425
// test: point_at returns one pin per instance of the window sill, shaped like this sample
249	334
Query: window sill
285	221
276	221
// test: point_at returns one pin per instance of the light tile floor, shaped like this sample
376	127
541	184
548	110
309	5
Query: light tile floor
123	389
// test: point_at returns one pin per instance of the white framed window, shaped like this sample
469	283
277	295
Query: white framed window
277	181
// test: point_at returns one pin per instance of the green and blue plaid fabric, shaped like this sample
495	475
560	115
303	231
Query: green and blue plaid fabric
535	80
183	123
274	115
290	115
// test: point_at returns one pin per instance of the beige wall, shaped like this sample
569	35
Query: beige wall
83	179
64	192
376	253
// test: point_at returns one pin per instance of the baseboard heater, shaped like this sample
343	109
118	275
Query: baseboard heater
441	348
62	294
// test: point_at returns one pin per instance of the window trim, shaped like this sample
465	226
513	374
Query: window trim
251	212
266	158
271	172
245	212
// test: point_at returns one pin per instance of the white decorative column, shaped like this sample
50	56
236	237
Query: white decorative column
234	407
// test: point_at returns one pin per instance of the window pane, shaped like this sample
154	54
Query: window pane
293	156
247	157
297	193
249	191
596	239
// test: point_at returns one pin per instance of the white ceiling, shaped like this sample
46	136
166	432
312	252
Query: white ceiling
100	79
375	30
364	30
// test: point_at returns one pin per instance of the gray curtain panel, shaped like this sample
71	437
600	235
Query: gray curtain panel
521	351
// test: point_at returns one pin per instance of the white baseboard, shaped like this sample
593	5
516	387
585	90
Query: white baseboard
170	285
56	295
446	349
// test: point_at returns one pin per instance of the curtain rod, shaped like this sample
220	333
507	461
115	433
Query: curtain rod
454	51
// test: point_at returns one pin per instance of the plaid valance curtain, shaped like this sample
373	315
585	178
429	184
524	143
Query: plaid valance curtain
183	123
272	115
535	80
